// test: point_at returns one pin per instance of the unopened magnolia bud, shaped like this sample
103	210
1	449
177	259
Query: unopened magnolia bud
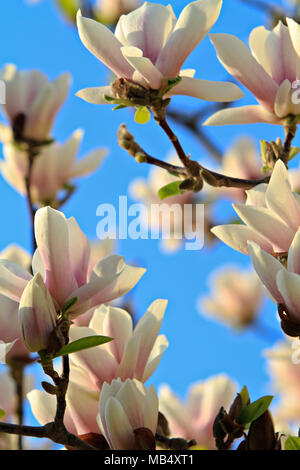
37	315
140	157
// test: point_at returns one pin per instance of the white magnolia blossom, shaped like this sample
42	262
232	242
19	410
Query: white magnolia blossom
194	418
53	168
149	47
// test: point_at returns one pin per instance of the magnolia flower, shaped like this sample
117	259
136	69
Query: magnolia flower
282	284
268	221
62	258
146	191
125	407
9	323
285	374
240	161
37	315
54	168
194	419
109	12
32	102
150	46
269	71
133	353
235	297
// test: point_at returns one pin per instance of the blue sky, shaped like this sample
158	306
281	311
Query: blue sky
38	37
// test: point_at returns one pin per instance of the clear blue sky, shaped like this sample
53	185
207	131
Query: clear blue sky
38	37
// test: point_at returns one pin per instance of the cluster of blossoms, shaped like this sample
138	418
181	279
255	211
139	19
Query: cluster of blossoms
59	302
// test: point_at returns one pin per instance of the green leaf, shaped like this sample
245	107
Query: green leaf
69	304
2	413
142	115
293	152
171	189
292	443
172	82
109	98
120	106
69	8
83	343
253	411
244	394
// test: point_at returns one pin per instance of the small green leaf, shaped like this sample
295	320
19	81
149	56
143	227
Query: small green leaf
244	394
142	115
83	343
292	443
172	82
109	98
293	152
253	411
69	304
171	189
2	413
120	106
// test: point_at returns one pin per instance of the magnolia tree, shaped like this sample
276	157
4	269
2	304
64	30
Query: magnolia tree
61	305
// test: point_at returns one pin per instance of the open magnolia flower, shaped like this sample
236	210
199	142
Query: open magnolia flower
272	217
270	71
235	297
133	353
54	167
62	258
194	419
148	49
282	284
124	408
32	103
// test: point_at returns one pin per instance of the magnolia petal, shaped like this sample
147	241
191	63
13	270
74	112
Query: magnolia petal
267	268
294	254
262	220
129	360
13	279
80	250
131	396
278	201
52	236
144	66
84	417
237	236
239	62
151	409
294	30
118	325
90	163
243	115
257	43
283	103
95	95
289	287
120	432
101	42
207	90
193	24
157	352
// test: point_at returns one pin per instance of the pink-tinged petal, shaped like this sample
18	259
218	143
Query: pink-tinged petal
157	352
207	90
143	66
118	325
61	87
38	123
278	201
127	366
267	224
174	410
80	250
289	286
101	42
95	95
120	285
84	417
147	28
239	62
283	58
148	328
294	254
243	115
52	236
37	264
194	22
88	164
120	433
13	279
65	156
131	396
267	268
237	236
98	361
283	103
